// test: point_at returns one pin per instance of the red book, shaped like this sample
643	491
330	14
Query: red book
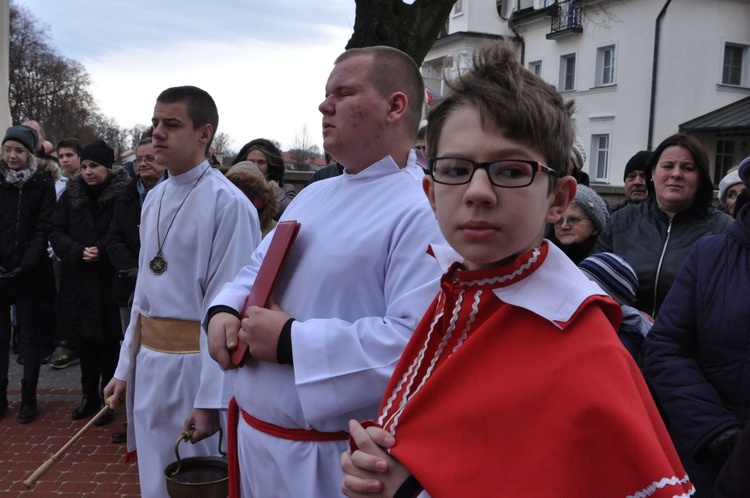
268	274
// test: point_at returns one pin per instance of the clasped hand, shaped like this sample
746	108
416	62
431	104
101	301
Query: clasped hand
259	329
9	274
369	470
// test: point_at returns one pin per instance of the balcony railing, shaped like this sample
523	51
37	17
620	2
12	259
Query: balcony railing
566	17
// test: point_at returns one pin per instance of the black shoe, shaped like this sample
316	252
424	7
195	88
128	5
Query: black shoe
105	419
120	436
90	404
27	413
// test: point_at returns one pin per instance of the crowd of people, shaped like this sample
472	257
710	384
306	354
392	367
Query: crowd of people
459	313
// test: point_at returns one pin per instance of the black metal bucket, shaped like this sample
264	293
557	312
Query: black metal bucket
197	477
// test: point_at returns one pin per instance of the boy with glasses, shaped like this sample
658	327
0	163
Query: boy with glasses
514	383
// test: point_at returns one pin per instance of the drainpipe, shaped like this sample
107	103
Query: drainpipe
519	38
654	70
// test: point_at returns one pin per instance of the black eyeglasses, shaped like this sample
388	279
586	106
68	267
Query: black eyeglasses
506	173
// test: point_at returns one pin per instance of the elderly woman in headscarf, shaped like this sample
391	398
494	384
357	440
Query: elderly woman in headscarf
729	188
580	225
27	197
267	157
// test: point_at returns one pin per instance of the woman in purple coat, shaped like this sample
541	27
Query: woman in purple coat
698	351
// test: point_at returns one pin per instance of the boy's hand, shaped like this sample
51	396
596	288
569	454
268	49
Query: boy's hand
205	421
261	329
222	339
370	470
115	390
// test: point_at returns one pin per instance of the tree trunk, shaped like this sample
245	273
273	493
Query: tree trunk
410	28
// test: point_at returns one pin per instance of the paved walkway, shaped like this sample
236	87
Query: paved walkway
93	466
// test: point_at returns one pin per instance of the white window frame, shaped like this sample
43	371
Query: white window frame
724	159
458	8
606	75
535	67
744	62
563	76
599	172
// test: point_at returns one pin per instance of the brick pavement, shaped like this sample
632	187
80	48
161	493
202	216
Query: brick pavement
92	467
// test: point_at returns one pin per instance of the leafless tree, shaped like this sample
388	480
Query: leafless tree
303	149
221	143
411	28
47	87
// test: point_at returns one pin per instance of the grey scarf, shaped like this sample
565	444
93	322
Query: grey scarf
18	177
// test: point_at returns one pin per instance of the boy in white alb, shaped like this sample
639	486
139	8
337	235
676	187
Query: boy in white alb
197	230
356	282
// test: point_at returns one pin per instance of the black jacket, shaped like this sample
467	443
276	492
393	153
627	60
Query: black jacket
24	219
654	246
123	241
82	220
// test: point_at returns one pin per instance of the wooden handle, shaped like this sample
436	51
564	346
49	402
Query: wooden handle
38	473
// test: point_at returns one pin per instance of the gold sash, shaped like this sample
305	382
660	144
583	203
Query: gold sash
170	335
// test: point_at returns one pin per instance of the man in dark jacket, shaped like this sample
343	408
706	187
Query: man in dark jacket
634	177
123	240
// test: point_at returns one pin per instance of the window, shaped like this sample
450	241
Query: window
734	56
567	73
724	159
600	157
605	66
458	7
536	67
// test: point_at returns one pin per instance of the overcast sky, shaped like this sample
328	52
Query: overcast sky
264	62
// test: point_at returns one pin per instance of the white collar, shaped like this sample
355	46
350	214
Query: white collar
542	292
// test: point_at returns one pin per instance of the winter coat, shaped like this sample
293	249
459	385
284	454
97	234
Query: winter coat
698	351
24	219
248	182
655	246
123	242
85	299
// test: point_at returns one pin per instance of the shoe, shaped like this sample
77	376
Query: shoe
3	398
90	404
120	436
27	413
105	419
65	360
46	359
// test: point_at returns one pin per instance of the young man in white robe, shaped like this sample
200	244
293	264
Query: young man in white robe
197	231
353	288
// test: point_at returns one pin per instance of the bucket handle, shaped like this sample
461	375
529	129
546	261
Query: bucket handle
186	436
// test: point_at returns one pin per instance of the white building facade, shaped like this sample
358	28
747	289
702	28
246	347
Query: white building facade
639	70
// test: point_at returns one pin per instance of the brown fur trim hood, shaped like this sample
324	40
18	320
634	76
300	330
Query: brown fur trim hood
248	178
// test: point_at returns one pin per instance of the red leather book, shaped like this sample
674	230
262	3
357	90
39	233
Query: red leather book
268	274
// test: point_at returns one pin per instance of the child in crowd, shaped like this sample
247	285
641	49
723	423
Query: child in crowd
514	383
618	279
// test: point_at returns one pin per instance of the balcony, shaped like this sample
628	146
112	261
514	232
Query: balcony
566	20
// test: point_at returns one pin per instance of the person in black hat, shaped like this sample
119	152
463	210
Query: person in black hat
636	190
27	197
80	223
